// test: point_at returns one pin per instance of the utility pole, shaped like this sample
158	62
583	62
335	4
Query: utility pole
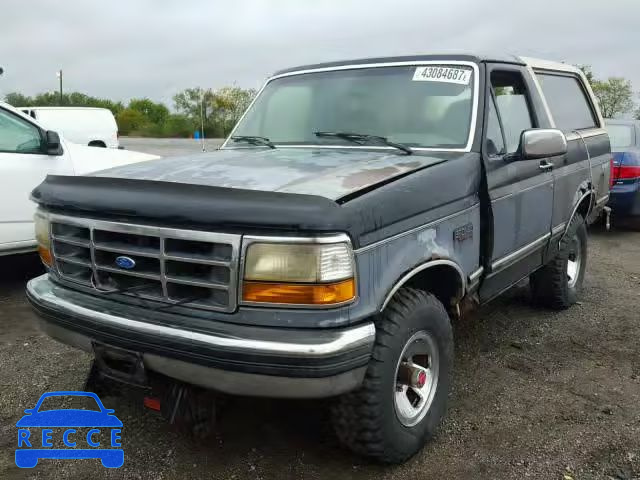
59	75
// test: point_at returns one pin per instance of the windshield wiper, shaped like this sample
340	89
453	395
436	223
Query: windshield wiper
253	140
361	137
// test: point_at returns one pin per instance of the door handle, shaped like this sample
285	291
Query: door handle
545	165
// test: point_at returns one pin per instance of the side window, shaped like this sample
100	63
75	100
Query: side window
18	135
567	101
513	106
494	141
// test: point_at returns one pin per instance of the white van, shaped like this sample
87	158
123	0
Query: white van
95	127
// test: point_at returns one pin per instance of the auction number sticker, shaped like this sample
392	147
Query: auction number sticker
438	73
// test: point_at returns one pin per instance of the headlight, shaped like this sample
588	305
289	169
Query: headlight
43	238
299	273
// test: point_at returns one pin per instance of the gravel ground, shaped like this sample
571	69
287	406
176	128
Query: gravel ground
537	394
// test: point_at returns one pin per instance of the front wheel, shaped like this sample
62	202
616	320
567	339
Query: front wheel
557	284
404	394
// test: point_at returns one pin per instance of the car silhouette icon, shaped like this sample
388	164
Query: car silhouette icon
31	448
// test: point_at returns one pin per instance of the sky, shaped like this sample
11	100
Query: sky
155	48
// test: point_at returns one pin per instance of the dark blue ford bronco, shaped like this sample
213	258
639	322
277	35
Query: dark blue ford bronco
327	247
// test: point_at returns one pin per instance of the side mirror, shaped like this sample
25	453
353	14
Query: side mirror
29	411
541	143
53	145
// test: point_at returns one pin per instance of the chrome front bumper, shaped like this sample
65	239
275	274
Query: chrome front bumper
235	359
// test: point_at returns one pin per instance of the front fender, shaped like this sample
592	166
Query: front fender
385	266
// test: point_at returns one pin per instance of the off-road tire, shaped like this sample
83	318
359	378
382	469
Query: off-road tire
550	284
365	420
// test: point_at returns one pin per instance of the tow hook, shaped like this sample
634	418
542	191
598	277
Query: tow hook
607	217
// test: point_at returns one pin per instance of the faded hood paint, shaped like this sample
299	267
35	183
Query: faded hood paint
332	174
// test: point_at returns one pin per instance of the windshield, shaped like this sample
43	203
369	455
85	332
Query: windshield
419	106
621	136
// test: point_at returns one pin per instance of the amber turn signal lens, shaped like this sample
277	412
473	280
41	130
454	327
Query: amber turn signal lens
45	255
299	294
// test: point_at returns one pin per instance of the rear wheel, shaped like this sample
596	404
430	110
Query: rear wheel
557	284
404	394
97	143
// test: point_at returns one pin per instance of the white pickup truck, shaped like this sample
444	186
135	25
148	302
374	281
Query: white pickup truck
28	153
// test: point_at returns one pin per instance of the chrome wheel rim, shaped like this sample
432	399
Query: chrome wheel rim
416	378
574	261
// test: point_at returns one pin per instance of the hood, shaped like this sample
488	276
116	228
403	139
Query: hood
87	159
329	173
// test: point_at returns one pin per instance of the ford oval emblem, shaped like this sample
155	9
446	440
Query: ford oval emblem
125	262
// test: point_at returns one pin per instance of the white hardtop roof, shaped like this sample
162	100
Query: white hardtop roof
550	65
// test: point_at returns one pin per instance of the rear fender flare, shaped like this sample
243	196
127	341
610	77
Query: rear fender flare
585	194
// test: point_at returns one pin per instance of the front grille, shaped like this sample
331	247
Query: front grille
186	267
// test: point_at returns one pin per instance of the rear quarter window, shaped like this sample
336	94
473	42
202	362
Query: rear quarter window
567	101
621	136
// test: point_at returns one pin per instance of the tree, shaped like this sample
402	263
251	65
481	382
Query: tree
178	126
77	99
231	103
153	112
221	108
72	99
588	72
18	100
615	96
190	101
130	121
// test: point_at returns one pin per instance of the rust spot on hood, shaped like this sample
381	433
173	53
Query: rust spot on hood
410	165
369	176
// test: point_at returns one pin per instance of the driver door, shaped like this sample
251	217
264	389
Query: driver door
24	163
520	191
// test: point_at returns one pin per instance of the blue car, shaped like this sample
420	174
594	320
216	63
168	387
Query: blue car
34	445
625	190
